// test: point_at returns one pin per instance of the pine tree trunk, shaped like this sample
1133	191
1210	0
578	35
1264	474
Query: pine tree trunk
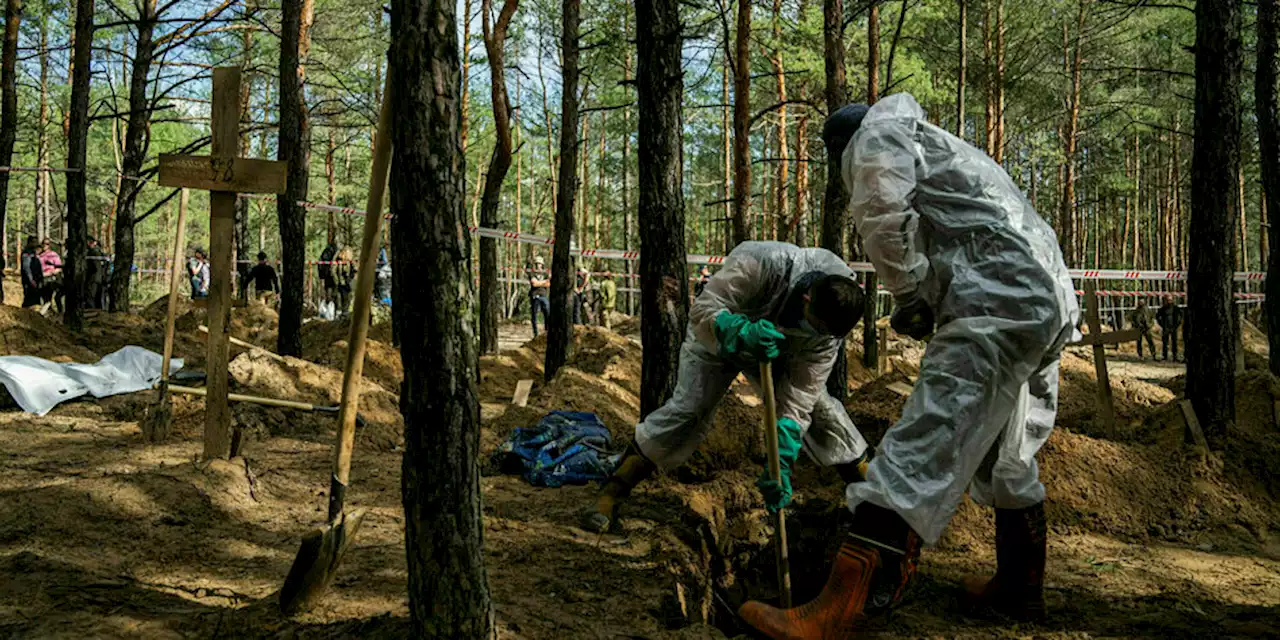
295	149
782	170
727	140
1211	344
627	222
43	187
964	67
664	289
440	478
801	220
988	102
1070	138
559	329
835	200
243	250
77	141
135	153
741	125
1266	107
8	112
495	37
1243	251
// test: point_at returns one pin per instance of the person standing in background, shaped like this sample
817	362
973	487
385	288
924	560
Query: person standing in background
51	267
1141	320
198	273
344	273
704	276
1169	317
96	275
539	289
32	273
608	298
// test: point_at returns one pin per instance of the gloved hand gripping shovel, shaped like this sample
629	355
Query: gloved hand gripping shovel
775	473
322	550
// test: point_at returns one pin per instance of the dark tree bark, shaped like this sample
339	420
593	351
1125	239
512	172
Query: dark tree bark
243	248
835	222
1269	150
741	125
8	110
664	287
136	140
870	343
77	141
294	148
1211	343
440	476
1070	139
495	37
559	329
964	67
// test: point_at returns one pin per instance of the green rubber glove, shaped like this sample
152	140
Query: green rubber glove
756	340
777	495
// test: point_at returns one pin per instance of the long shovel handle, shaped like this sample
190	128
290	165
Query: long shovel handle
360	311
174	274
775	472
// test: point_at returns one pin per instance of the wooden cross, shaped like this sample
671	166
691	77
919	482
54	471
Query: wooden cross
1099	341
224	175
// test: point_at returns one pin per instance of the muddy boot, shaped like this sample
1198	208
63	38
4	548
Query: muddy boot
633	470
856	471
876	559
1017	590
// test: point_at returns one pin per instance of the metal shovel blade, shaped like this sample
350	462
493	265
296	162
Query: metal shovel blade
317	561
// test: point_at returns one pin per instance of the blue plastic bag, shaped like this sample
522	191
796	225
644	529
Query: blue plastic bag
565	447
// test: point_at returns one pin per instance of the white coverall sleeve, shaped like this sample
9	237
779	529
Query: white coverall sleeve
729	289
879	168
806	381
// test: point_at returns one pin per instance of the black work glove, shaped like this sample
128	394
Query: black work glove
912	317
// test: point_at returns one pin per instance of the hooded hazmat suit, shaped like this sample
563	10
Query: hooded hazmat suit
760	280
943	223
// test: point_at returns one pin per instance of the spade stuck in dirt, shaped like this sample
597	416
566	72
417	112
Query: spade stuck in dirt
322	550
158	422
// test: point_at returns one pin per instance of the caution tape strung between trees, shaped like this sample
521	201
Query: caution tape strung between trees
696	258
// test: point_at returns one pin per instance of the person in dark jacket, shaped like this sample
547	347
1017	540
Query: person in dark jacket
32	273
1169	317
96	275
263	275
1141	320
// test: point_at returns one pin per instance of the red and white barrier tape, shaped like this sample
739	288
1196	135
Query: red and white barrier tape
694	258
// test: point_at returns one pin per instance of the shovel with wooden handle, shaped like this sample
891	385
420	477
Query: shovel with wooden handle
775	473
157	425
322	550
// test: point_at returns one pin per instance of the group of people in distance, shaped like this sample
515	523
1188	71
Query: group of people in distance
41	274
594	300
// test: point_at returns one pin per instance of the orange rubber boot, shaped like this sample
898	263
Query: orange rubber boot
833	614
877	561
1017	590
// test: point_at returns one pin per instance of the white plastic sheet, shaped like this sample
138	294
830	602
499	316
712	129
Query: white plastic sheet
38	385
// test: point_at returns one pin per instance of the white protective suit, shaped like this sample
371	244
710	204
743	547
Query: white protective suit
757	281
941	220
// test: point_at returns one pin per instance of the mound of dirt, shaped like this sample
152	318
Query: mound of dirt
602	376
1078	395
325	343
158	310
24	332
299	380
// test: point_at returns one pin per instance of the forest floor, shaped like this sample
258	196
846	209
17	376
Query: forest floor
102	535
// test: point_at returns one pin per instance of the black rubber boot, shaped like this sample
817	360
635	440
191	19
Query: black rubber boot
1017	590
856	471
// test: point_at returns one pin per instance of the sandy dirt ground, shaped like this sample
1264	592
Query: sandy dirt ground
102	535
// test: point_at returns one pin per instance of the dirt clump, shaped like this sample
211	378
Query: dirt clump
302	381
325	343
24	332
